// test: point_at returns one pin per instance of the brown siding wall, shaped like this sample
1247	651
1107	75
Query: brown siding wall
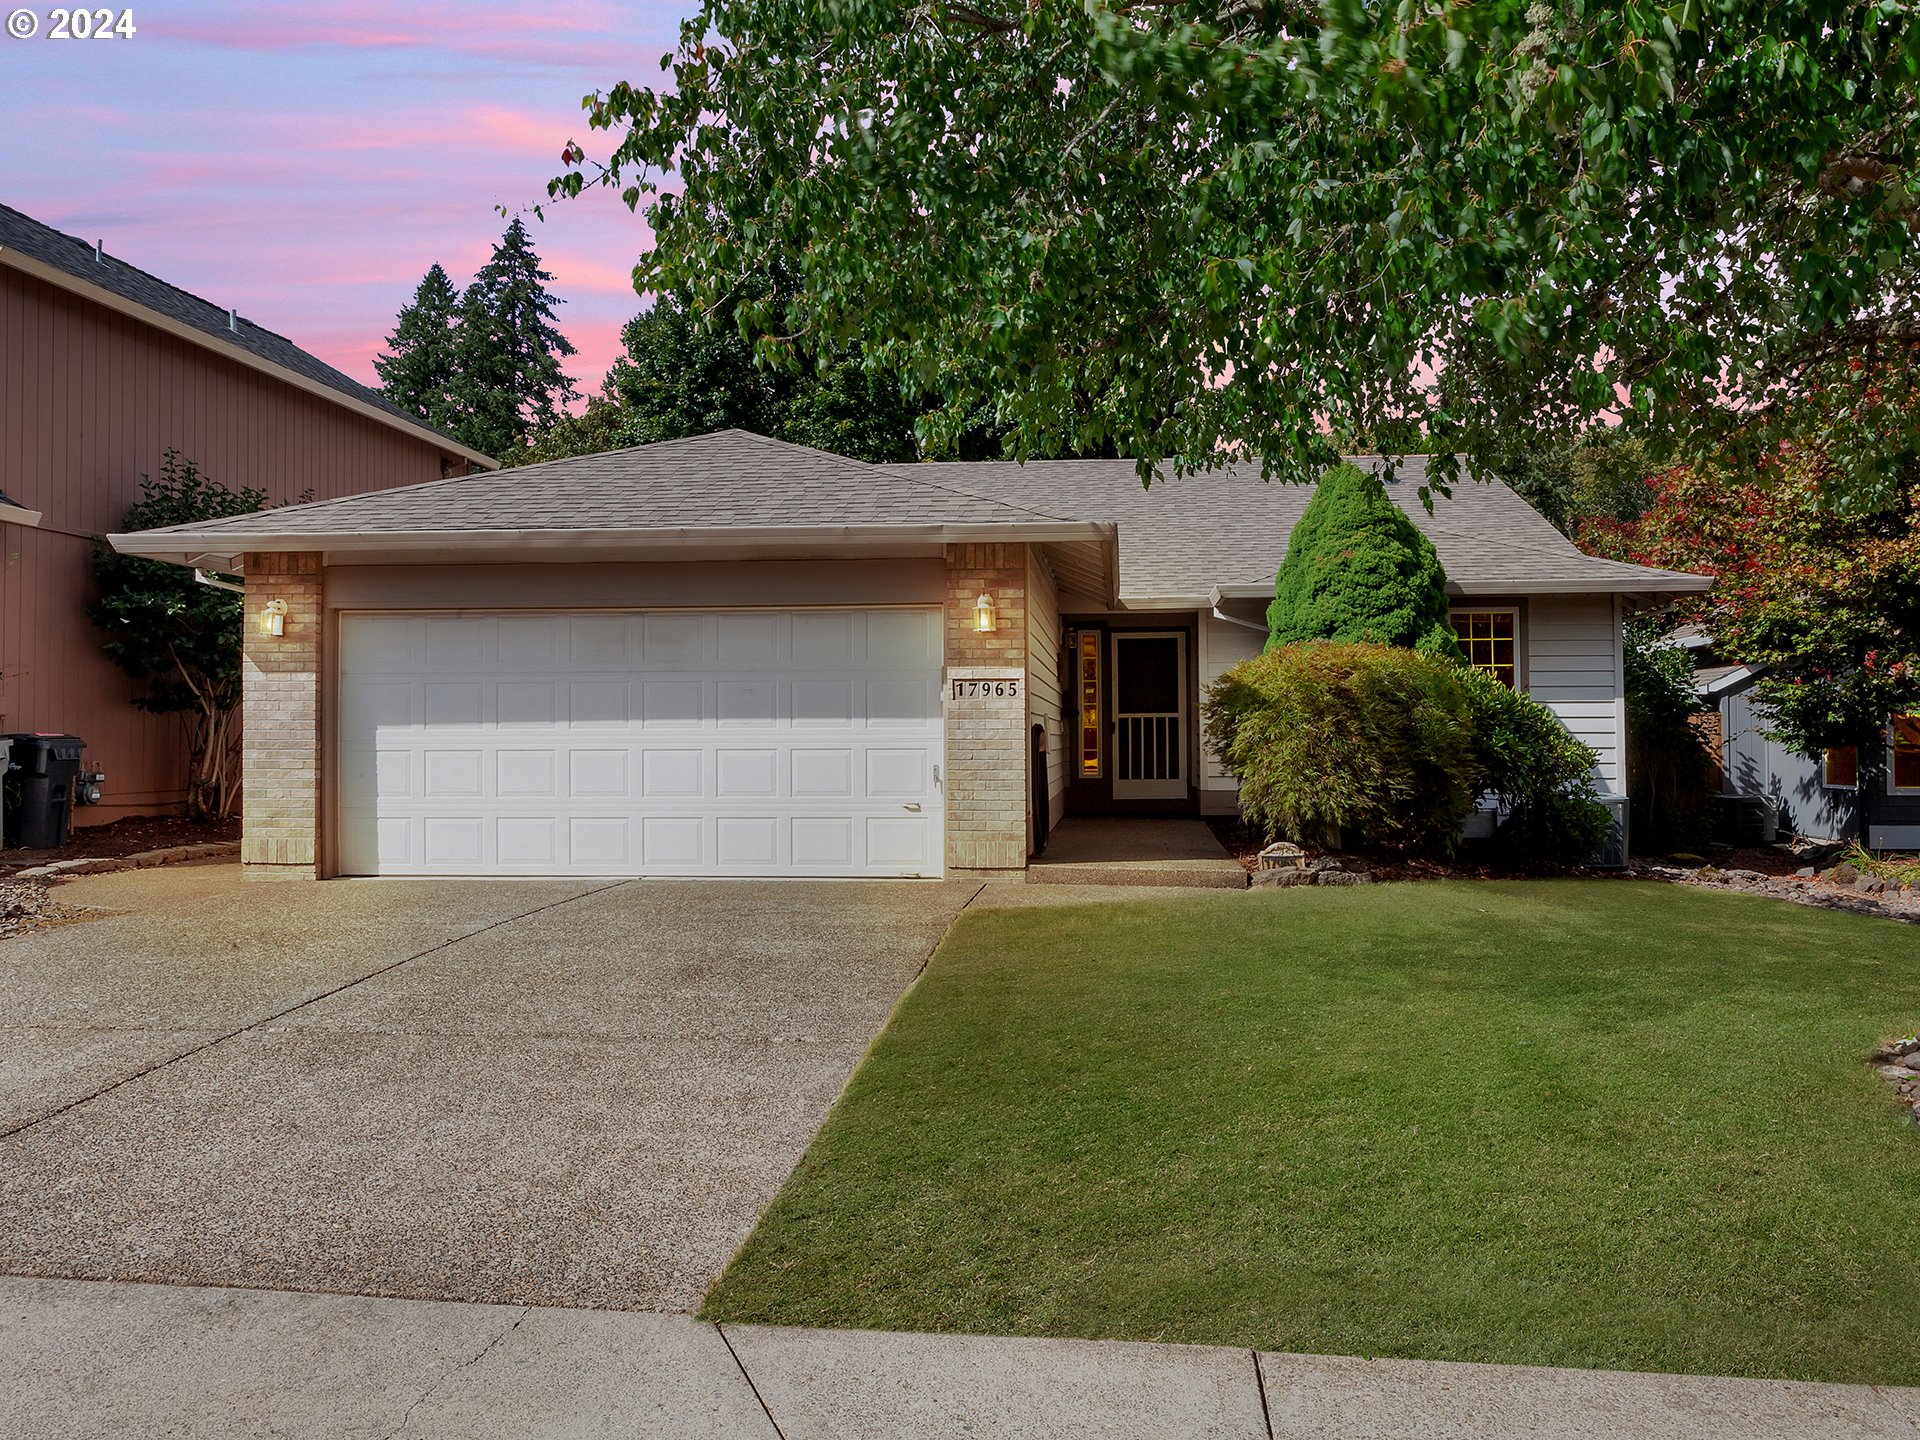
89	401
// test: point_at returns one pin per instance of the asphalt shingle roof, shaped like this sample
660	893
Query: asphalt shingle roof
1187	534
732	479
76	258
1178	539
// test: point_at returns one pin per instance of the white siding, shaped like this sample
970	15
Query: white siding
1573	668
1043	675
1222	646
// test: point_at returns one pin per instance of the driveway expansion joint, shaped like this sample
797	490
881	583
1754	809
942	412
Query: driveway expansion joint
727	1341
1260	1385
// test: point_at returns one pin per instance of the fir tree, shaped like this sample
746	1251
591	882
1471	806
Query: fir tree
1357	569
509	385
417	369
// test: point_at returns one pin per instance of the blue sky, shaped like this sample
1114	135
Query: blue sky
306	162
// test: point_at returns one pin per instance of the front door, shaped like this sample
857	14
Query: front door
1149	715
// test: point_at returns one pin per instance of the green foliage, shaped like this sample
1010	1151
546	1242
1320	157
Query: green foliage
1367	746
1539	775
418	369
178	638
681	374
1669	767
1219	229
483	365
508	382
1357	569
1600	476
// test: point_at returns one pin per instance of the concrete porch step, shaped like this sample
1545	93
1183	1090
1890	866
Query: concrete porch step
1087	850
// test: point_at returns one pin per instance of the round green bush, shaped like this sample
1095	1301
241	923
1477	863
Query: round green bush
1540	775
1357	569
1362	746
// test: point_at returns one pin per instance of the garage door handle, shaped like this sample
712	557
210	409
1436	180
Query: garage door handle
915	807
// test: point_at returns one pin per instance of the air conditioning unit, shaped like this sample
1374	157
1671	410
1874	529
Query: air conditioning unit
1612	854
1746	820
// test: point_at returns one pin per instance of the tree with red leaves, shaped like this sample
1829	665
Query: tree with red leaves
1821	585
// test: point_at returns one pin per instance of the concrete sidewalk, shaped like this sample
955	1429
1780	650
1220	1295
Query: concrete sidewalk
90	1358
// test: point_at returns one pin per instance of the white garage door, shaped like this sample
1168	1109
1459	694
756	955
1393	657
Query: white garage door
661	743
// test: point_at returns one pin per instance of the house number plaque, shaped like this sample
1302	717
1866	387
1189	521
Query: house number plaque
986	689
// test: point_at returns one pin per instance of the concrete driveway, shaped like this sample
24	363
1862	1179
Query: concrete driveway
536	1092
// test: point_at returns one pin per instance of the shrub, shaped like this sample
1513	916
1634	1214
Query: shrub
1670	778
1366	745
1541	775
1358	570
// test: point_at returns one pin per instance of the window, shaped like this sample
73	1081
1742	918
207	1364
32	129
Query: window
1087	687
1840	767
1487	638
1904	764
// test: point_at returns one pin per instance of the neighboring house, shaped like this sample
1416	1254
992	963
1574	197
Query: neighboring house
734	656
1816	796
103	368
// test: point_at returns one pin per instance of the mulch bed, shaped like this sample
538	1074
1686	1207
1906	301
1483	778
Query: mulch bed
128	836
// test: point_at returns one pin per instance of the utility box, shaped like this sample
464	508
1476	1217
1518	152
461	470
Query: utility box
38	809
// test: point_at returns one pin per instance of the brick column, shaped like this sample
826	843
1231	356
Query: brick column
986	734
280	738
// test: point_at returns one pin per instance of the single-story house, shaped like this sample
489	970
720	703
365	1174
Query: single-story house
734	656
103	369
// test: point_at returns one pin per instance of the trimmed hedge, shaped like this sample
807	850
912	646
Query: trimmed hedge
1378	747
1362	746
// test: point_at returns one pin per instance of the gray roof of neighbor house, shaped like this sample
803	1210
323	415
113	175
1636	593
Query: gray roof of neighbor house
1186	536
54	255
1179	542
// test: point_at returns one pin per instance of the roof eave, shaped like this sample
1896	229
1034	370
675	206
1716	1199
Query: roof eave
216	549
101	295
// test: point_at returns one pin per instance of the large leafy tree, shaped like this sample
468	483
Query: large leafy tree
509	385
418	368
1358	570
1818	583
178	638
683	374
1183	228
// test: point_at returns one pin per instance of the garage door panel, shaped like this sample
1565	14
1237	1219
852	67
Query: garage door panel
726	743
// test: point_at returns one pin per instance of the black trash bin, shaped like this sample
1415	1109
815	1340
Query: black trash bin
39	808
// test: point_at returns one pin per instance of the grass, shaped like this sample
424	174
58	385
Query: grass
1591	1123
1895	869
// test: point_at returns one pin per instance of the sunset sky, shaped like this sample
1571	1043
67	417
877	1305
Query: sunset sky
306	162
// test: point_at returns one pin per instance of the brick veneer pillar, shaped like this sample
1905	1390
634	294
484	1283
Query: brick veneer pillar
280	739
986	734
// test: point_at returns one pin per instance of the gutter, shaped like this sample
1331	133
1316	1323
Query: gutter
100	295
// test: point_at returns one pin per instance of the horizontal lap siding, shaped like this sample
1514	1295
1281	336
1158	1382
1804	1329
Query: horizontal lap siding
1043	675
1573	668
1222	646
89	401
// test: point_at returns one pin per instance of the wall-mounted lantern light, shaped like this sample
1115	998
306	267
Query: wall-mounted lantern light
983	614
273	617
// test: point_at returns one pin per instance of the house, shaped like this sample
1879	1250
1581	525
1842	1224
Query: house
733	656
1814	796
103	368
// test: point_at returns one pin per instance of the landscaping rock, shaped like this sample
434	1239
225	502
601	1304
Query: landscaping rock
1283	879
1805	872
1344	877
1869	885
1843	874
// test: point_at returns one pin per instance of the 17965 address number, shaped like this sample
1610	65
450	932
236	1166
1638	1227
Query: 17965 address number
982	689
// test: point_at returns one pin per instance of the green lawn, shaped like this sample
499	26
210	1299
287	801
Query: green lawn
1590	1123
